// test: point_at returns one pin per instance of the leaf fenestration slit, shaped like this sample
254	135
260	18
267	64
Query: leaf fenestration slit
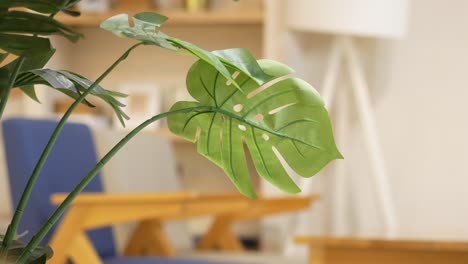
238	107
290	171
267	85
278	109
259	118
197	134
234	76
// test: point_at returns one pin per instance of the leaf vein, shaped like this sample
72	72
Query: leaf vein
214	88
260	152
233	93
208	136
206	90
230	149
297	148
265	100
296	121
191	117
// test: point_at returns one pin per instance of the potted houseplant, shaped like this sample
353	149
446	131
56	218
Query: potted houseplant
238	100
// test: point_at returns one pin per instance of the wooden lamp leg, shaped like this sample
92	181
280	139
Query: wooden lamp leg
366	114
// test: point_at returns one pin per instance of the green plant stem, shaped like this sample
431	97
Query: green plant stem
92	173
10	85
40	164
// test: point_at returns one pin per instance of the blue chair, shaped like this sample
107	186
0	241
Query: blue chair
72	157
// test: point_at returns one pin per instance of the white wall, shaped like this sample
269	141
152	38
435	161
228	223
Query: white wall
419	88
423	120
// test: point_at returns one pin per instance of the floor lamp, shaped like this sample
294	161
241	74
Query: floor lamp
345	20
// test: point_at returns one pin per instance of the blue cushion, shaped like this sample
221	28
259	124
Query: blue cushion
70	160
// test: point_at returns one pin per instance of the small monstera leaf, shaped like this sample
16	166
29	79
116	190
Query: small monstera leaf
72	85
42	6
146	29
19	22
284	116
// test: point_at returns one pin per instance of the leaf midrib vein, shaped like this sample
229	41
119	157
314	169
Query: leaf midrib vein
265	100
248	122
263	128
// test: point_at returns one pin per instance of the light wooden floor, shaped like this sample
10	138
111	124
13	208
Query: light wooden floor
327	250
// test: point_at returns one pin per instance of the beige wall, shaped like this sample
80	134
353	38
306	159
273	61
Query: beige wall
419	87
422	116
419	90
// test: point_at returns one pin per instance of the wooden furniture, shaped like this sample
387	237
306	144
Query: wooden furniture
328	250
95	210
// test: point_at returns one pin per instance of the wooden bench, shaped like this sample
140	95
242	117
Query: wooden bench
328	250
152	210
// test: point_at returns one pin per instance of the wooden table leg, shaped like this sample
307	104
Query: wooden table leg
221	237
149	238
70	228
317	255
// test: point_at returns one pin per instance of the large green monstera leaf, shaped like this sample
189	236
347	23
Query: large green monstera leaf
284	117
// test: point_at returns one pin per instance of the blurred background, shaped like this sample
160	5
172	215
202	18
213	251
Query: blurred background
397	72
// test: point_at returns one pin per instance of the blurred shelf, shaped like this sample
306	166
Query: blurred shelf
229	17
60	107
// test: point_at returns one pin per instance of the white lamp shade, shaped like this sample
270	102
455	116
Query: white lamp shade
375	18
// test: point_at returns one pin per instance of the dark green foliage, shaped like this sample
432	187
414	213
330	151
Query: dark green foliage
39	256
25	35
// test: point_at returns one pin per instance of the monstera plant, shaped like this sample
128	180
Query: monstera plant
239	101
